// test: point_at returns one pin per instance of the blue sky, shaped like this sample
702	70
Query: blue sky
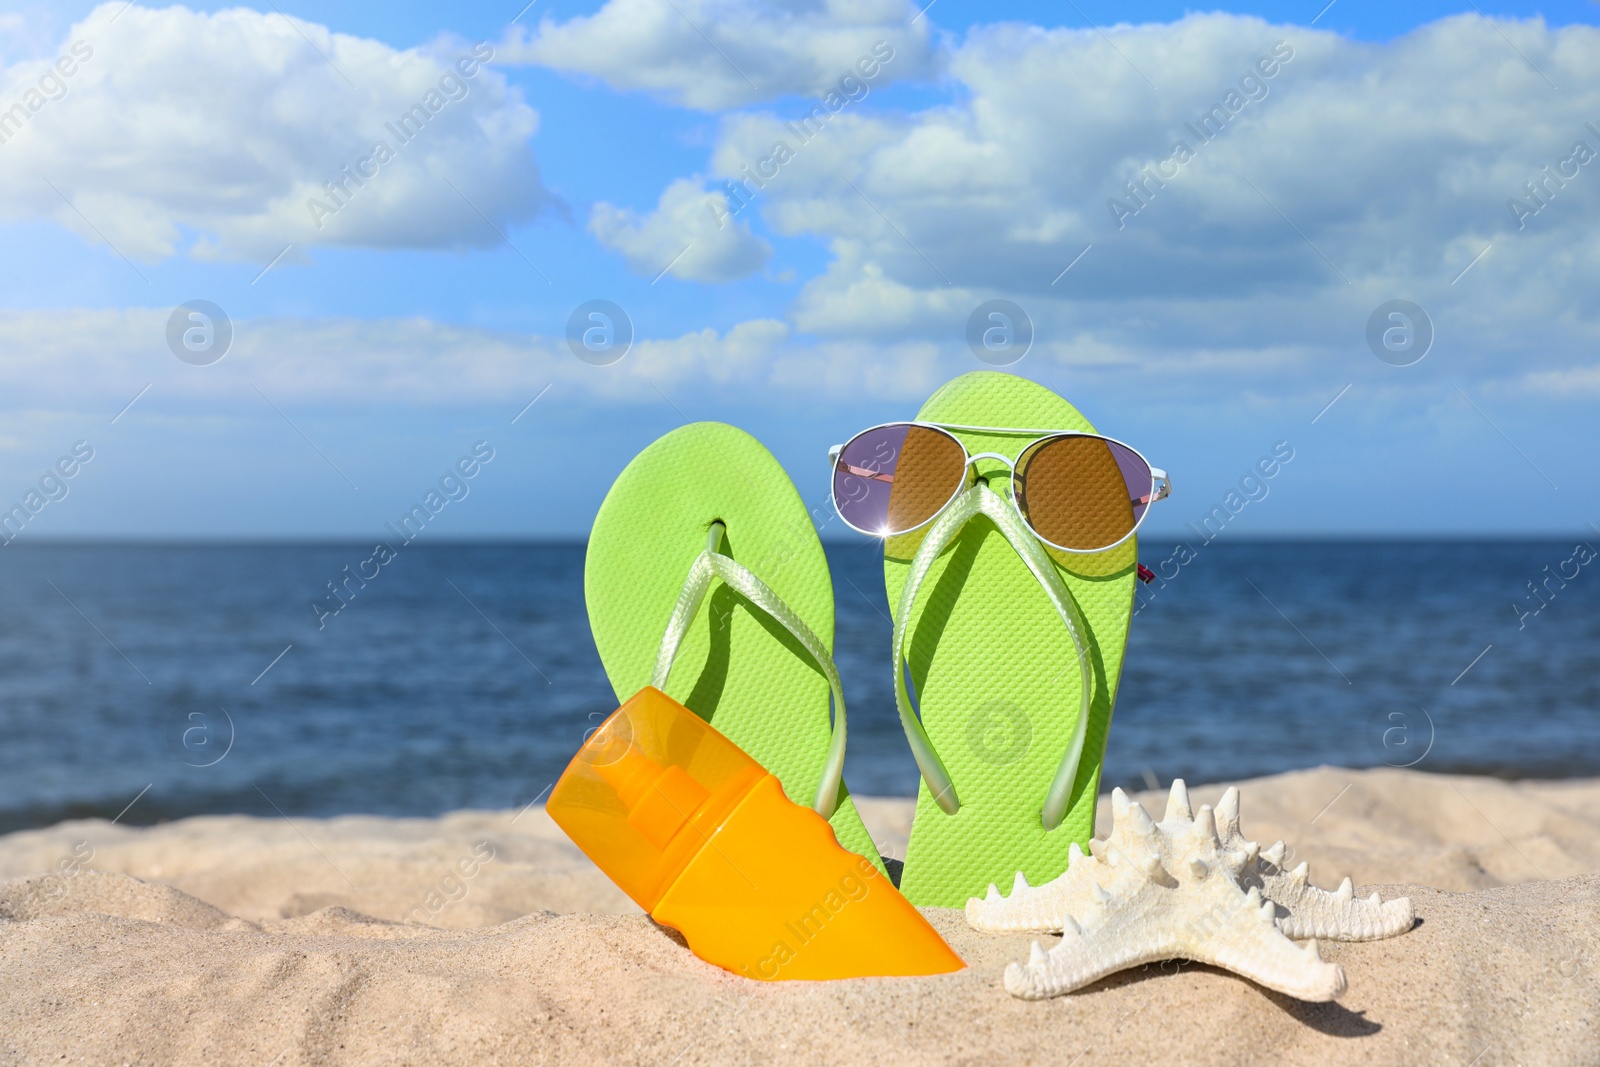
1378	163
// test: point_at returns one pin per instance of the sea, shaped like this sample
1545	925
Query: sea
148	682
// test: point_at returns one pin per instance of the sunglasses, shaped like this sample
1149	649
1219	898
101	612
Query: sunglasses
1079	492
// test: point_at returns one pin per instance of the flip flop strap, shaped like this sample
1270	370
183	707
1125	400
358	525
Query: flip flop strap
710	564
981	500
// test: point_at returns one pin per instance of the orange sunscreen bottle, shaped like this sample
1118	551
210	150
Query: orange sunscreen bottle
703	838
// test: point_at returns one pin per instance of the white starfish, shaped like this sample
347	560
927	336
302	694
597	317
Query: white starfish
1186	888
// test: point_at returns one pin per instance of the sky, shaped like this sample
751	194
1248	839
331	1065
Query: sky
378	294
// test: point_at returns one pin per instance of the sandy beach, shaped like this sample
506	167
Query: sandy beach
485	937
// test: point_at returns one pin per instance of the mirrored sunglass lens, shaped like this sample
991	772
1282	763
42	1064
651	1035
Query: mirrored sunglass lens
1136	474
893	478
1082	492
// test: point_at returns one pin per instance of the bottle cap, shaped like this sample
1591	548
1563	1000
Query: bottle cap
647	790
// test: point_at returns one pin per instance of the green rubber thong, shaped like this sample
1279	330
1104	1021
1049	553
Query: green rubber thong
981	500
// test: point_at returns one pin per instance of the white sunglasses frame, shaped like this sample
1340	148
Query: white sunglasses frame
1160	484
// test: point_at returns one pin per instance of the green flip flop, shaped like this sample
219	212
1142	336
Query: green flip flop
1015	650
704	577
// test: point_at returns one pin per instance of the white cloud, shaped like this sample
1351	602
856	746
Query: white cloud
229	124
1355	174
690	229
1581	381
718	54
87	359
926	213
741	355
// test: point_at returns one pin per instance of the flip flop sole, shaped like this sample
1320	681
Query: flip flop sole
995	671
737	668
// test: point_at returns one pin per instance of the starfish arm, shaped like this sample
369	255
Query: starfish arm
1253	947
1043	909
1310	911
1079	960
1336	916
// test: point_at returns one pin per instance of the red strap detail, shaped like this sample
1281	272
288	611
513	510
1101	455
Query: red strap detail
1146	575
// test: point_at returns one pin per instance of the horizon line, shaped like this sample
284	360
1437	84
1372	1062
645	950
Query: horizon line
312	540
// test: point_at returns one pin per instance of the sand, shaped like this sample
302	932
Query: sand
484	937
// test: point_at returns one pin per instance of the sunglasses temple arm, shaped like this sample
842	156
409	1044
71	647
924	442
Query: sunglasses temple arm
850	468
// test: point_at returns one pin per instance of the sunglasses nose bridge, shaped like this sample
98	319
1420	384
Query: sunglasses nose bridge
972	465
